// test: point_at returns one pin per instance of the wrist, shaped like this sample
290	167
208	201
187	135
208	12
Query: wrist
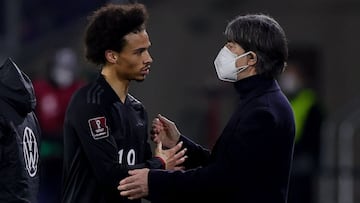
163	163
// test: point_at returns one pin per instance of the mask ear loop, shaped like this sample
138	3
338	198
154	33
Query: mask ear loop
252	54
242	68
242	55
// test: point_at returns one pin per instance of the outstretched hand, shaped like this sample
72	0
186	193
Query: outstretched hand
165	131
173	157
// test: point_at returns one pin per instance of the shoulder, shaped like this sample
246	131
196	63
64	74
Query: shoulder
264	113
89	93
86	98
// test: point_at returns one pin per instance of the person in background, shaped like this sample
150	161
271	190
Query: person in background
297	84
19	136
53	93
251	160
106	128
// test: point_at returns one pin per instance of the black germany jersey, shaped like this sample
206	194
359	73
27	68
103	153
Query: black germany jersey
103	139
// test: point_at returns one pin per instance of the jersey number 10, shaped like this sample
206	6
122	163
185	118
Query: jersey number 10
130	157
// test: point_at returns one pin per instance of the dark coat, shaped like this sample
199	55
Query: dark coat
19	136
250	162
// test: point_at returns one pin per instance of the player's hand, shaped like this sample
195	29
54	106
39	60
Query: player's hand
165	131
136	185
172	157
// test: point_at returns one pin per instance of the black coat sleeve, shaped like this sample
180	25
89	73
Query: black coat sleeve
197	155
243	157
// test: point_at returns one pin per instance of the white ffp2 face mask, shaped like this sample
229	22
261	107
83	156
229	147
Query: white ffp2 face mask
225	65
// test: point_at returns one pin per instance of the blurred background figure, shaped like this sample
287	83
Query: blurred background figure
53	92
299	84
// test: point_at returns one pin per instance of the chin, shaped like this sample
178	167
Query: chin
140	79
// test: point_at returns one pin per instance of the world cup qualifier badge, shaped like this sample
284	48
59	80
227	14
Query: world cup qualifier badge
98	127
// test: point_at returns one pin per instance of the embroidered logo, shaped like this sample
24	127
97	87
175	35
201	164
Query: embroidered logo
98	128
31	153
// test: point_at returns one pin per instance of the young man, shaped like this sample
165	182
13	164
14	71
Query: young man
250	162
105	132
19	136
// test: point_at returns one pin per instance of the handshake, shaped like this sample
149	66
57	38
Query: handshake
168	148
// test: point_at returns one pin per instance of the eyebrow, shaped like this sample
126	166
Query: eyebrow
141	49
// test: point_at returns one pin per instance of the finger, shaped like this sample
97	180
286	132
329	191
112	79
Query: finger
155	139
133	193
157	126
156	121
179	168
126	187
129	192
125	181
159	146
156	129
129	179
180	154
164	120
122	187
134	172
176	147
180	161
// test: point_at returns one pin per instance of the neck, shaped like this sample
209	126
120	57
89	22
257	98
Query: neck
119	85
250	71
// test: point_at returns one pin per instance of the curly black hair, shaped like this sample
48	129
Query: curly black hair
107	27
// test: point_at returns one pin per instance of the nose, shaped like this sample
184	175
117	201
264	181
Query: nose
148	58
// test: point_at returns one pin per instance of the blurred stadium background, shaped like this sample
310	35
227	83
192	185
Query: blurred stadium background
186	36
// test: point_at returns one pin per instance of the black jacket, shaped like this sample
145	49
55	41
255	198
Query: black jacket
250	162
19	137
103	139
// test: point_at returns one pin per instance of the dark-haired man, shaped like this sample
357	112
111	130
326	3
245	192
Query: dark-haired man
105	130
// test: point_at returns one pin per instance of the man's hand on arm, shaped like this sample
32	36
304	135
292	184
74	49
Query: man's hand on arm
136	185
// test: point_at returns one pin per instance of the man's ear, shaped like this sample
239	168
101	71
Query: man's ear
110	56
252	58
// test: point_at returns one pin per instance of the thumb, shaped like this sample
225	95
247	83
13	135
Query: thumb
164	120
159	146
